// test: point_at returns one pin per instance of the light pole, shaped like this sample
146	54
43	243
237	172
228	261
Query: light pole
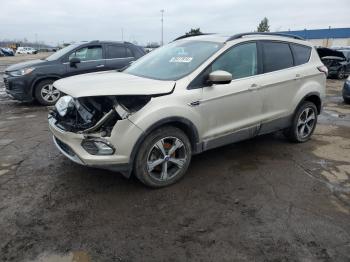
162	11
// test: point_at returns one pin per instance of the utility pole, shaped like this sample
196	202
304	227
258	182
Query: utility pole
162	41
122	33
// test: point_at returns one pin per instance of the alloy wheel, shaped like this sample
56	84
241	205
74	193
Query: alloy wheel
49	93
166	158
306	122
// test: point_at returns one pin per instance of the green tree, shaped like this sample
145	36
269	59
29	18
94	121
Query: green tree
264	25
194	31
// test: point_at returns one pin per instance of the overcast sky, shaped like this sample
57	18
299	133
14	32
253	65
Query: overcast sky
55	21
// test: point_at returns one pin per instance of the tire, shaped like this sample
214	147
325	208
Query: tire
346	100
302	128
45	87
341	73
153	157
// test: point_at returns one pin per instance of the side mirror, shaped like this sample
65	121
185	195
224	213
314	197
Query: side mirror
220	77
74	61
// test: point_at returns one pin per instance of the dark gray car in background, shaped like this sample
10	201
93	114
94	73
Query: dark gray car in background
33	80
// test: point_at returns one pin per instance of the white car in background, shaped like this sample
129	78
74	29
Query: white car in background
26	50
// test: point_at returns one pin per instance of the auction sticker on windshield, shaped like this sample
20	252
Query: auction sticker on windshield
181	59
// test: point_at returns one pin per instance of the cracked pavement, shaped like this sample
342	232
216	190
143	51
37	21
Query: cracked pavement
263	199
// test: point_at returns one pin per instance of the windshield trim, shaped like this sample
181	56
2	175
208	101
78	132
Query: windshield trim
182	76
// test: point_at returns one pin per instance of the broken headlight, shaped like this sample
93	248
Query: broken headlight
64	104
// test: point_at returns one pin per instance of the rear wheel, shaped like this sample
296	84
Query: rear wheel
45	93
163	157
303	124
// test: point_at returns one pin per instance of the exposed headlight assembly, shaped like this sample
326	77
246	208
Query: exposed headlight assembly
64	104
22	72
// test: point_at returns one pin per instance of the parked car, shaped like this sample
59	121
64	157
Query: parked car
33	80
1	53
186	97
26	50
346	91
7	51
335	60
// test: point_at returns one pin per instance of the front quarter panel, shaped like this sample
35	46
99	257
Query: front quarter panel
175	105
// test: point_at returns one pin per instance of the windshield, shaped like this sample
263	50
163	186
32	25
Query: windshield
173	61
61	52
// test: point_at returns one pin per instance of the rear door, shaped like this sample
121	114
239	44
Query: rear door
91	60
118	56
279	81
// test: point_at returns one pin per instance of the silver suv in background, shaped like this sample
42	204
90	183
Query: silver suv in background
192	95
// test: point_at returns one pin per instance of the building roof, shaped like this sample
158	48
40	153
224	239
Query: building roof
321	33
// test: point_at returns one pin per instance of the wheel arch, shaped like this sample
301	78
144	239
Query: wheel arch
180	122
37	81
315	98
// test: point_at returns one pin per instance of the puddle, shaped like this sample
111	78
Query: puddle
3	171
5	142
12	117
30	116
76	256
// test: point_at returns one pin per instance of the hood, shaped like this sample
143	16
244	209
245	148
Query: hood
112	83
26	64
326	52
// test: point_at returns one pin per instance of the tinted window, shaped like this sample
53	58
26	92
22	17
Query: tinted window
116	51
301	53
88	53
276	56
240	61
129	53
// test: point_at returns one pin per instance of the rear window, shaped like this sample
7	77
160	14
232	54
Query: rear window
301	53
276	56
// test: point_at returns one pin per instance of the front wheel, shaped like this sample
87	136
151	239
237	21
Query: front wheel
163	157
45	93
303	124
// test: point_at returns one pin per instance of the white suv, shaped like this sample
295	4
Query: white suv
192	95
26	50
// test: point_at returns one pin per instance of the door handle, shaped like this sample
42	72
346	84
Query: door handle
297	76
99	66
254	87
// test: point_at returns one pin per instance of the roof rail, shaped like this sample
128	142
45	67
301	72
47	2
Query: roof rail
190	35
264	33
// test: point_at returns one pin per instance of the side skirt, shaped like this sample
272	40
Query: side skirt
246	133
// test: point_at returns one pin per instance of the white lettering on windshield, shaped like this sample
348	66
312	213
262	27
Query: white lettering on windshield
181	59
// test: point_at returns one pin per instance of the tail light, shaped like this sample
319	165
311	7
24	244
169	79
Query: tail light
323	69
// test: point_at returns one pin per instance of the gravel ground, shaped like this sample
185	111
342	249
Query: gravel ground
259	200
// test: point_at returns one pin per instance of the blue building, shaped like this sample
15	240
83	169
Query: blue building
325	37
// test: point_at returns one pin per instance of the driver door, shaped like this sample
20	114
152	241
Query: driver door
233	111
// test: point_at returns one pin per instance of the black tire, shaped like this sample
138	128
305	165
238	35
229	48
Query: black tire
296	132
148	149
346	100
39	93
341	73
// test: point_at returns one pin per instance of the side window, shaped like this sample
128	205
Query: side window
240	61
276	56
301	53
129	53
116	51
88	53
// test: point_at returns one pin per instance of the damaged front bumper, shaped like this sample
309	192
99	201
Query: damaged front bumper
70	145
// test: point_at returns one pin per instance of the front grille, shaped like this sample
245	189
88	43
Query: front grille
66	148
